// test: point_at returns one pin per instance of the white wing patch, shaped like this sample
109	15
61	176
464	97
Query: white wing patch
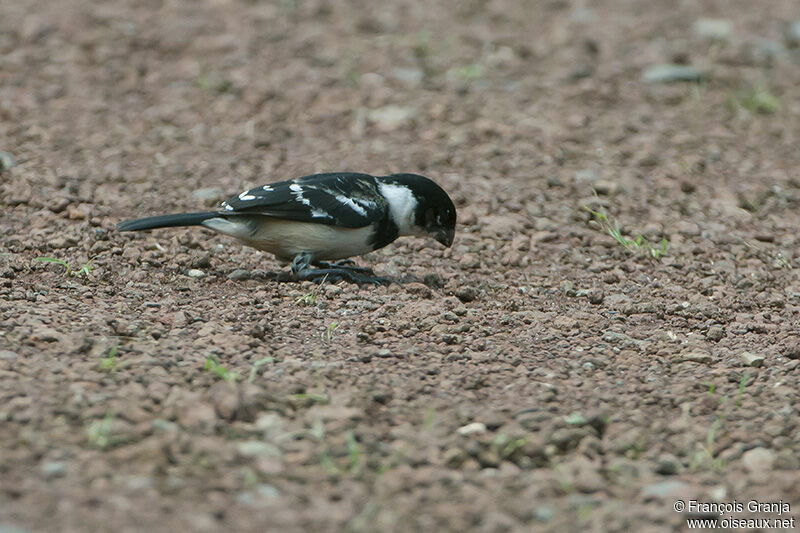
245	197
298	194
267	188
295	187
351	204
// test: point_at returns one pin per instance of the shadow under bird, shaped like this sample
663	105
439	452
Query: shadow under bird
318	219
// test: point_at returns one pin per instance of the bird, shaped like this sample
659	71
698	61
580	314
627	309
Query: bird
317	222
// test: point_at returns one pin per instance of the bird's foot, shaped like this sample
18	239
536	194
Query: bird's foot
342	270
347	264
319	275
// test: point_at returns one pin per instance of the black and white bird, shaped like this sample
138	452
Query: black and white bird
316	219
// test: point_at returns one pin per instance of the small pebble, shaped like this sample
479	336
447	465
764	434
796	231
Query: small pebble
665	489
668	465
715	333
792	34
751	359
606	187
209	193
472	429
714	29
466	294
254	448
7	161
670	73
53	469
239	274
454	457
595	296
543	514
586	175
695	357
266	490
195	273
758	460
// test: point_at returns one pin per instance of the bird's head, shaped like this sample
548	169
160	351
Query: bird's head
432	213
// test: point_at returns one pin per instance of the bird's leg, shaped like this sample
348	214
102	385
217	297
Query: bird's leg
301	269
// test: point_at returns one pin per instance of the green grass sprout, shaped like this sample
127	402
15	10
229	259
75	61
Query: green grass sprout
326	335
111	363
310	299
632	245
213	366
68	271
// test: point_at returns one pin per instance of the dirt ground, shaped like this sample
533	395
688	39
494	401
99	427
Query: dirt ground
537	376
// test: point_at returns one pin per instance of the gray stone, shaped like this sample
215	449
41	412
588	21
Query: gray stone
606	187
195	273
265	490
409	76
714	29
668	465
595	296
257	448
665	489
45	334
567	438
159	424
694	356
8	355
391	117
751	359
271	424
667	73
454	457
586	175
208	193
715	333
543	513
766	52
7	161
472	429
466	294
239	274
792	34
53	469
758	460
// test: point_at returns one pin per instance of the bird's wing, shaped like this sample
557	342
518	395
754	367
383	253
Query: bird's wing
342	199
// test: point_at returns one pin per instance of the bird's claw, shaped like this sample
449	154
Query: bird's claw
346	264
341	270
319	275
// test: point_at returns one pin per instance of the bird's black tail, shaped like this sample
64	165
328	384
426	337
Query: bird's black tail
167	221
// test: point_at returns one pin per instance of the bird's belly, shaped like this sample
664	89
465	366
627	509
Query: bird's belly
286	239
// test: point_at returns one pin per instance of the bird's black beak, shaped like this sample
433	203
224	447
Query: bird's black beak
445	236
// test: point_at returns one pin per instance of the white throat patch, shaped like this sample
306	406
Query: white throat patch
402	206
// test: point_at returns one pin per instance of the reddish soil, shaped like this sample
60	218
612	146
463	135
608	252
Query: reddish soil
537	376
